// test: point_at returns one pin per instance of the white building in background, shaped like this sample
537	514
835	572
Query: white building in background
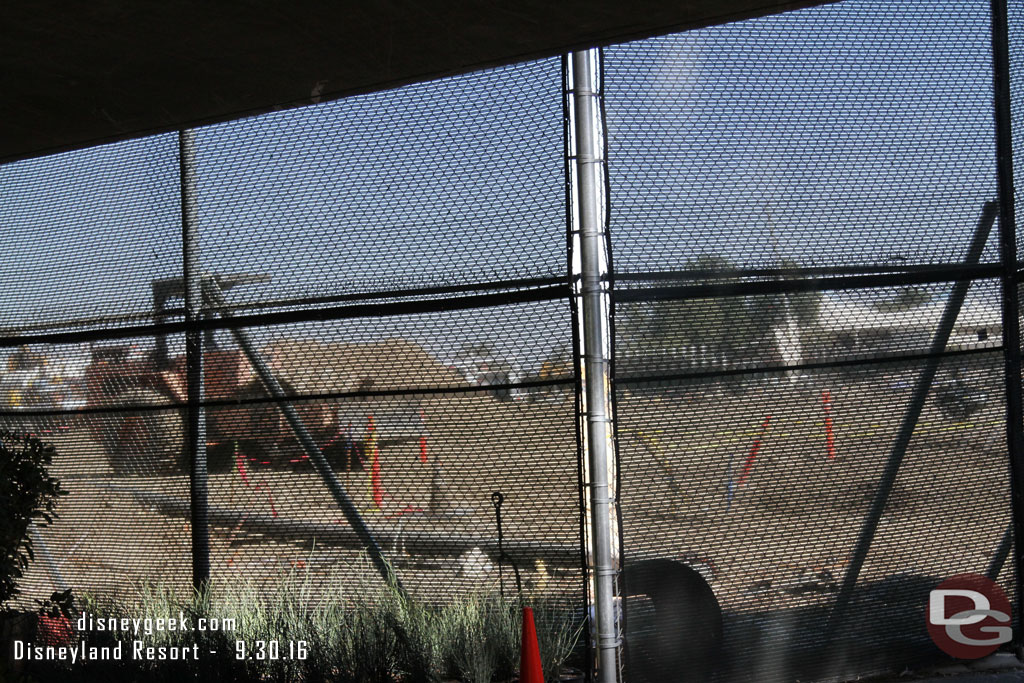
857	328
789	346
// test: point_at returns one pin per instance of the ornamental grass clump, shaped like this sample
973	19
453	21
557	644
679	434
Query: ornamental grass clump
372	633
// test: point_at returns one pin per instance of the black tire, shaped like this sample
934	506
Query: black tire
150	442
680	637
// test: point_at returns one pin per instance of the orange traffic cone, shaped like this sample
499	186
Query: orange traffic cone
530	670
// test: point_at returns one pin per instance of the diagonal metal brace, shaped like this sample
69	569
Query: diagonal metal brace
910	418
215	298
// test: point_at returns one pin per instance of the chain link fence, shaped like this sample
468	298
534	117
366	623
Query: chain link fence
396	261
809	376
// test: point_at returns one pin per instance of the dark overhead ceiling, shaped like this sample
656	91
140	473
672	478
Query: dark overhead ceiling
76	74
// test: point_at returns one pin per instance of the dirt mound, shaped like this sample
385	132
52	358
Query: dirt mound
313	366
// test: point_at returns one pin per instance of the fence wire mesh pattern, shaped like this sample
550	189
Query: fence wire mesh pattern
397	262
808	272
790	200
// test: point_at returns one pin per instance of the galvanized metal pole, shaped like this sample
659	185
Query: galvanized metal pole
589	167
1011	320
196	422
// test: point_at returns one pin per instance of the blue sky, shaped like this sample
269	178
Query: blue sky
853	131
848	133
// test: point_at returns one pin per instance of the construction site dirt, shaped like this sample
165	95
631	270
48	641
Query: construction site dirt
765	491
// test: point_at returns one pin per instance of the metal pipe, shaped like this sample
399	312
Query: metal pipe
1011	321
316	456
571	272
195	433
416	542
589	166
909	423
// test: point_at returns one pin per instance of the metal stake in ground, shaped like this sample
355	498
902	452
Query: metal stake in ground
651	445
497	498
1001	553
212	290
906	431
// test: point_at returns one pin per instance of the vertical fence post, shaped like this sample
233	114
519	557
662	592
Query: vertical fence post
572	271
195	432
1008	254
589	167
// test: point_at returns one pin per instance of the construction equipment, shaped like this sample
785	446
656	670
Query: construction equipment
147	434
33	385
957	399
23	386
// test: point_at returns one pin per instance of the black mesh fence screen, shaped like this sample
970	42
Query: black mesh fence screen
860	133
1015	21
396	261
451	183
85	229
805	238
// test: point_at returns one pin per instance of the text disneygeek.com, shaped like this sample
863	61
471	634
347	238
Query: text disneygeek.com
139	649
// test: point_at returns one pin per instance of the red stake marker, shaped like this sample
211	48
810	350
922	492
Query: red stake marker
830	444
423	441
376	488
748	464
